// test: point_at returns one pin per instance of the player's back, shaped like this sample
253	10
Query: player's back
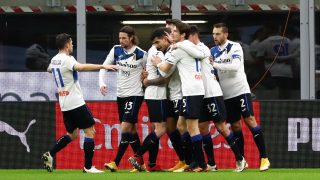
190	73
66	79
211	85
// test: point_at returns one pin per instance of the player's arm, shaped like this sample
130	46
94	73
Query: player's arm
235	61
154	82
232	66
193	50
102	73
93	67
163	66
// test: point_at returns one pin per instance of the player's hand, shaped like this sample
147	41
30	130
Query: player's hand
144	73
155	60
211	59
103	90
169	37
110	67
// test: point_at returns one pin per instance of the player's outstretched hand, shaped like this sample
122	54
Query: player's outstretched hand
110	67
103	90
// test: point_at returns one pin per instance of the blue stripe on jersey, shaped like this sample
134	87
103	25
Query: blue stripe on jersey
75	75
139	53
54	75
119	53
229	47
197	65
60	77
214	51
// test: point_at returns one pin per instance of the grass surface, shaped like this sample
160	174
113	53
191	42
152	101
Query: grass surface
251	174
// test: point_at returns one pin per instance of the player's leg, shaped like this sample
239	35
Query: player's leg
136	102
63	141
207	145
88	147
241	163
249	119
173	133
192	113
208	109
186	141
84	120
158	115
233	111
233	117
126	135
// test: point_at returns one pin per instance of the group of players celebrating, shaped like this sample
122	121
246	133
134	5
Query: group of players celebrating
187	85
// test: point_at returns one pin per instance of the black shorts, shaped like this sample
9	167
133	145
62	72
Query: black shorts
213	108
79	117
157	110
173	108
239	106
191	106
128	108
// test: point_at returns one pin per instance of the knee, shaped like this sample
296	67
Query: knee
181	128
236	126
89	132
127	127
250	122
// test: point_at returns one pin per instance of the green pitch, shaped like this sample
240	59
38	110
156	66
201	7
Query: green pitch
272	174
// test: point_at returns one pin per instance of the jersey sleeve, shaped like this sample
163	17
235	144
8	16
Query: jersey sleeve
175	57
192	49
108	61
70	62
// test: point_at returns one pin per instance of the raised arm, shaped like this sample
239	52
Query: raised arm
193	50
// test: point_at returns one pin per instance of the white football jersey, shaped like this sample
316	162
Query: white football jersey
189	70
66	79
130	63
154	92
268	48
211	85
228	60
174	85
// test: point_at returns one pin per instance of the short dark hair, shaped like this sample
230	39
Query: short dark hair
159	33
184	28
62	39
221	25
131	33
173	21
194	30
